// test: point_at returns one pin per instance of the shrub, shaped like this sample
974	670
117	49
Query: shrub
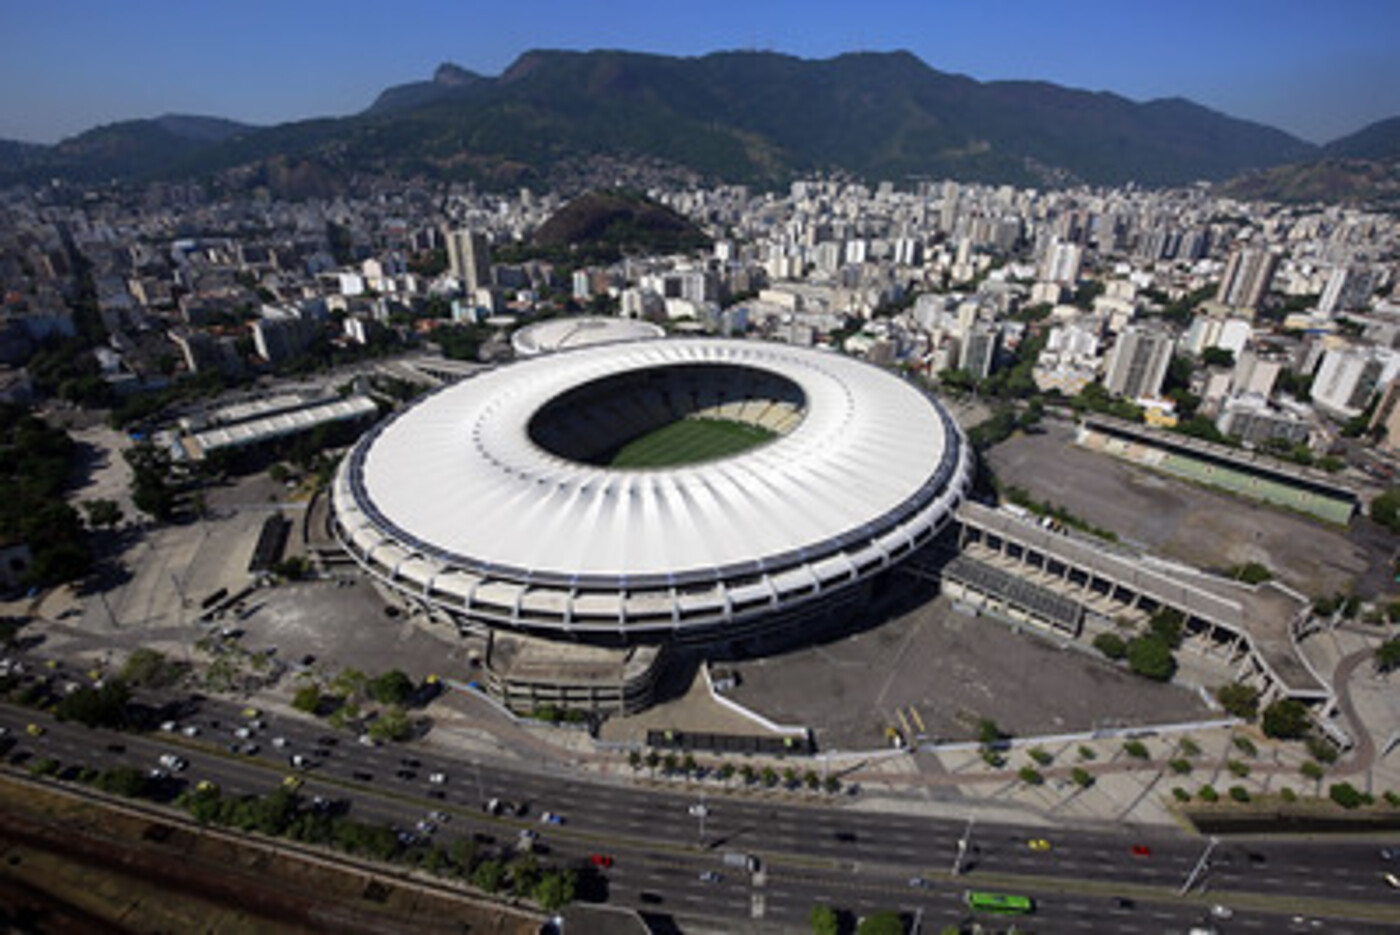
1040	756
1239	793
1237	768
1087	753
1111	645
1031	776
992	758
1189	747
1391	799
1081	777
1246	746
1288	795
1136	749
1181	766
1311	770
1180	794
1208	794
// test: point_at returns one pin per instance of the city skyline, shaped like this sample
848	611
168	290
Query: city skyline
1280	64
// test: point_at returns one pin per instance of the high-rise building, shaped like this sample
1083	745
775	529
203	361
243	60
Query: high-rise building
1138	363
1061	263
1248	274
1348	289
1350	375
979	350
469	258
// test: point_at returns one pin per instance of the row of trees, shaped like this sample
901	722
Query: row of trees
1150	654
768	777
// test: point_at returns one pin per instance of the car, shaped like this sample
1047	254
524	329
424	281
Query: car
292	782
367	741
440	817
426	827
1389	853
190	731
549	818
1222	911
409	761
698	810
250	749
711	876
299	761
1391	880
600	860
111	747
34	730
363	776
279	742
917	882
406	774
1140	850
1038	844
650	898
172	762
327	741
493	807
242	733
437	779
437	794
205	785
1123	902
158	773
251	712
169	726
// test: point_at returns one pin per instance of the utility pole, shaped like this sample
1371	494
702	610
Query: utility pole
963	845
1201	864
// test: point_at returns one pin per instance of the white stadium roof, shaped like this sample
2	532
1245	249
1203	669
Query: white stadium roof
454	499
563	334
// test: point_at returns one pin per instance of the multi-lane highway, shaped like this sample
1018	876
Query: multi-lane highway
666	857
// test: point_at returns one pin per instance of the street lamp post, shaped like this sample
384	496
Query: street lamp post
962	846
1201	864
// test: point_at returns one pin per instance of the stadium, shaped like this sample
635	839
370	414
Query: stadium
689	490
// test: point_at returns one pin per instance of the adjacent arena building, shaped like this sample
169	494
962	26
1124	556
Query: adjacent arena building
496	502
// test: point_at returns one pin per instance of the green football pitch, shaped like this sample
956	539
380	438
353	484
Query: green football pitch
689	441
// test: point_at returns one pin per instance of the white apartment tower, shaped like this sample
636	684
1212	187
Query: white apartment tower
469	258
1138	363
1248	273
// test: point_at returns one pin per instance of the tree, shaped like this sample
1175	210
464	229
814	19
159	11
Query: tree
988	732
555	889
1239	699
1151	657
1285	719
1111	645
1081	776
634	760
1136	749
102	514
96	707
824	920
1347	796
1385	509
393	687
1168	624
1388	655
1030	776
392	723
488	876
1251	573
147	668
1218	357
307	698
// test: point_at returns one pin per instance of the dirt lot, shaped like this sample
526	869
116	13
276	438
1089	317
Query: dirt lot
1176	519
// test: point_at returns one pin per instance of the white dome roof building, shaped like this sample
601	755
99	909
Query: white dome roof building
493	500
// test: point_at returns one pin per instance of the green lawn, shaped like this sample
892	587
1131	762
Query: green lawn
688	442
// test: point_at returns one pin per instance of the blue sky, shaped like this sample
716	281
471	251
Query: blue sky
1316	69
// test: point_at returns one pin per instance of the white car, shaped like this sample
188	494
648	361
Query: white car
279	742
242	733
437	779
190	731
172	762
698	810
169	726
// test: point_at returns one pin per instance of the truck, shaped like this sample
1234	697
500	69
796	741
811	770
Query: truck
741	860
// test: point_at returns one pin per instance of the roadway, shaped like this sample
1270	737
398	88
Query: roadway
856	860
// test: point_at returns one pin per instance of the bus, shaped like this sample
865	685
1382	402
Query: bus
999	902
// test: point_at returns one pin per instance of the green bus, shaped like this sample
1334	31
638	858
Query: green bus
999	902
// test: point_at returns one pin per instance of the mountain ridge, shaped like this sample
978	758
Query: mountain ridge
746	116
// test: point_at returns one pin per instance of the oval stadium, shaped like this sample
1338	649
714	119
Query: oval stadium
693	490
